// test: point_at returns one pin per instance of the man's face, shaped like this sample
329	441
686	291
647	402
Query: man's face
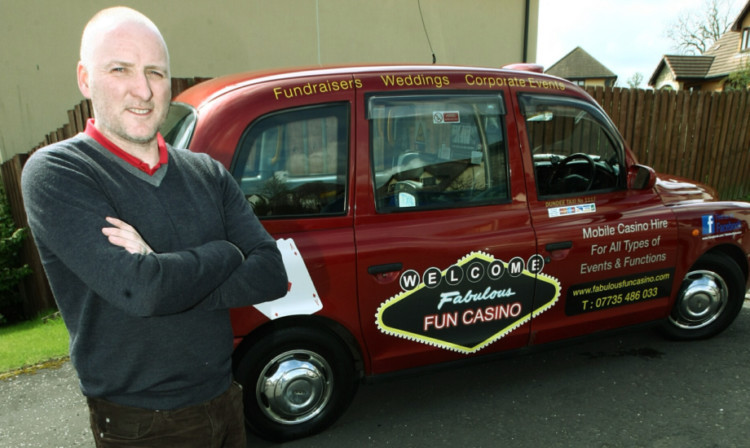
127	79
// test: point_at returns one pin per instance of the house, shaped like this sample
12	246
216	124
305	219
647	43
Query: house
709	71
682	72
583	69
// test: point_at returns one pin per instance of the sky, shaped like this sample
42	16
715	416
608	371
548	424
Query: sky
625	36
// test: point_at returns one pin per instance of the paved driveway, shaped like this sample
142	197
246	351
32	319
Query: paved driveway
44	410
632	389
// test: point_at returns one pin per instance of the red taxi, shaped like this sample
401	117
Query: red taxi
429	214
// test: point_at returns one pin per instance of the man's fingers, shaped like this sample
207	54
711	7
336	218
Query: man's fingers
128	245
120	233
125	236
120	224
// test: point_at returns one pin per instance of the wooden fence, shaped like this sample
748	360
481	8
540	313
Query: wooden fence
703	136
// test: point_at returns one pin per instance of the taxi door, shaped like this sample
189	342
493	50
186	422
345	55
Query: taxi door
443	234
613	249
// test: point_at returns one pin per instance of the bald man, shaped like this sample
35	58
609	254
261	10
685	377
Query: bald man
146	249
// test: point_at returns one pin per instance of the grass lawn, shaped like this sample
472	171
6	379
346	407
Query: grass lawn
29	343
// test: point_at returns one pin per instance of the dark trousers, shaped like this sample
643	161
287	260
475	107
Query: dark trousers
218	423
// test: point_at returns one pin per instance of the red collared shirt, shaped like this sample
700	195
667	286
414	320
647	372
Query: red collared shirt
94	133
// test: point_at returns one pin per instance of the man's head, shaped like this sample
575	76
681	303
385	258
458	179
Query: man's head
124	70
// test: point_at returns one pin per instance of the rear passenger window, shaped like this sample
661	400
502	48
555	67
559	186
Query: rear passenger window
431	152
294	162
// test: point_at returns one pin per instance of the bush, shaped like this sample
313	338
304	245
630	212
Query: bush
12	271
739	79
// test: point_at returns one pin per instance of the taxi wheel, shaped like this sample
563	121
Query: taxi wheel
296	382
710	298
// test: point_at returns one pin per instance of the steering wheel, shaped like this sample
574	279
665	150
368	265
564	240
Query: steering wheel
572	179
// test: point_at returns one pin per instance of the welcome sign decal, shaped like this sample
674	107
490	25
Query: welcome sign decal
469	305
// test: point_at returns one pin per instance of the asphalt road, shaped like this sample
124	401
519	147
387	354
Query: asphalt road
632	389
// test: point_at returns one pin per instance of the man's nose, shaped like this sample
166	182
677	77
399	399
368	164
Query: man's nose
141	87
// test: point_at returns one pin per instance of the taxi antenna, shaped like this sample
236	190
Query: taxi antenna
419	3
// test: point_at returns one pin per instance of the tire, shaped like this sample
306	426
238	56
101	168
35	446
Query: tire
297	381
710	298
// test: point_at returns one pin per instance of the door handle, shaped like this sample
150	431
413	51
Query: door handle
384	268
555	249
562	245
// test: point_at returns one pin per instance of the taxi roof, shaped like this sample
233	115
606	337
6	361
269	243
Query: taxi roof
210	89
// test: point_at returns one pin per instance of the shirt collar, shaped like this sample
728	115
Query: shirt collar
94	133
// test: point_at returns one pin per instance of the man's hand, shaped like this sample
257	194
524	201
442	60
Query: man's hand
125	236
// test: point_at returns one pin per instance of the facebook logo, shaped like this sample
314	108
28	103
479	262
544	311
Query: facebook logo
709	226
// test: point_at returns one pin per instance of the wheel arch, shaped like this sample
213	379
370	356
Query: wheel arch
317	323
711	296
736	254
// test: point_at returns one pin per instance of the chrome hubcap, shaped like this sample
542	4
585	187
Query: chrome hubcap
703	297
294	387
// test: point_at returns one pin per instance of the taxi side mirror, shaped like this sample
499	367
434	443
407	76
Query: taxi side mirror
641	177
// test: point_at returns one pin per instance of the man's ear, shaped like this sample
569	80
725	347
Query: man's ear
83	80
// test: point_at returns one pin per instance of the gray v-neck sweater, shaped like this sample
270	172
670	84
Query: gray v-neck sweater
150	331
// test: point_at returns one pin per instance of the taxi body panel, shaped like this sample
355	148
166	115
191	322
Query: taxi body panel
449	212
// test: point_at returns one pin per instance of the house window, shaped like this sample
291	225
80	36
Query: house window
745	46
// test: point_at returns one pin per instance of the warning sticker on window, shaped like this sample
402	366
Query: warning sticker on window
446	117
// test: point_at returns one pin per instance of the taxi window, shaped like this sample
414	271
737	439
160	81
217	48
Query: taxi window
294	162
430	151
177	128
573	146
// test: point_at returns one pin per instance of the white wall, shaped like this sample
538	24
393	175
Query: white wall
40	40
